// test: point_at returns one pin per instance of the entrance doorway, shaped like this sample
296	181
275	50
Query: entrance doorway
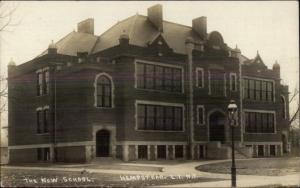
102	143
217	127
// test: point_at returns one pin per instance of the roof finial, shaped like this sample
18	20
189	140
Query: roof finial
257	53
276	65
11	62
236	46
52	45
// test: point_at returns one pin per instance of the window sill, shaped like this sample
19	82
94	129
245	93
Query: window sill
160	91
47	133
259	133
43	95
181	131
251	100
99	107
220	97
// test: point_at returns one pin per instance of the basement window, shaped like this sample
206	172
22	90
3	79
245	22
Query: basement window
142	152
272	150
161	152
179	151
43	154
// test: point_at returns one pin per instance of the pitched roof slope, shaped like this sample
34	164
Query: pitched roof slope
75	42
141	31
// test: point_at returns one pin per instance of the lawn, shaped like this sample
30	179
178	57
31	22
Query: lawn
38	178
265	166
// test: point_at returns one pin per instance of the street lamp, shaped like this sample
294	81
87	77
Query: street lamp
232	120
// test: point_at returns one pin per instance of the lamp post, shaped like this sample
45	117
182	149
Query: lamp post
232	119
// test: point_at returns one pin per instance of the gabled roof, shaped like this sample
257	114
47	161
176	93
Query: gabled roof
257	61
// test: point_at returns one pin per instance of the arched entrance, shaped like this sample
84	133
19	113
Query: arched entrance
102	143
217	127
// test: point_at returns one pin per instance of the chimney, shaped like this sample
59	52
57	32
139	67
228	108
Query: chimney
199	26
155	16
86	26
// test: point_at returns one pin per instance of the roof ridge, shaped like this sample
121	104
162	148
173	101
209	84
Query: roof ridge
65	37
170	22
94	46
119	22
132	26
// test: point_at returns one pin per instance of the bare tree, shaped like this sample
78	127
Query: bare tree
7	23
7	11
294	121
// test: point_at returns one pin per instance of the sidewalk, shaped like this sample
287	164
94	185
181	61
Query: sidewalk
249	181
183	168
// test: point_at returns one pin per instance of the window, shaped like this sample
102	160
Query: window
283	108
39	84
246	88
260	152
272	150
270	91
177	119
46	82
159	124
199	77
201	151
42	118
200	115
46	120
149	76
142	116
257	122
157	77
258	90
43	82
233	83
150	118
39	121
161	152
43	154
103	92
158	117
142	152
178	151
217	83
251	89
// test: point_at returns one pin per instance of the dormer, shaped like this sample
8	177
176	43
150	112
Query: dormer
159	45
258	62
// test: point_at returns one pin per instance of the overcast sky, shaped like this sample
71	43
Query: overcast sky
270	27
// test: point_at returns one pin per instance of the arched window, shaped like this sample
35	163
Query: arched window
283	107
103	91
